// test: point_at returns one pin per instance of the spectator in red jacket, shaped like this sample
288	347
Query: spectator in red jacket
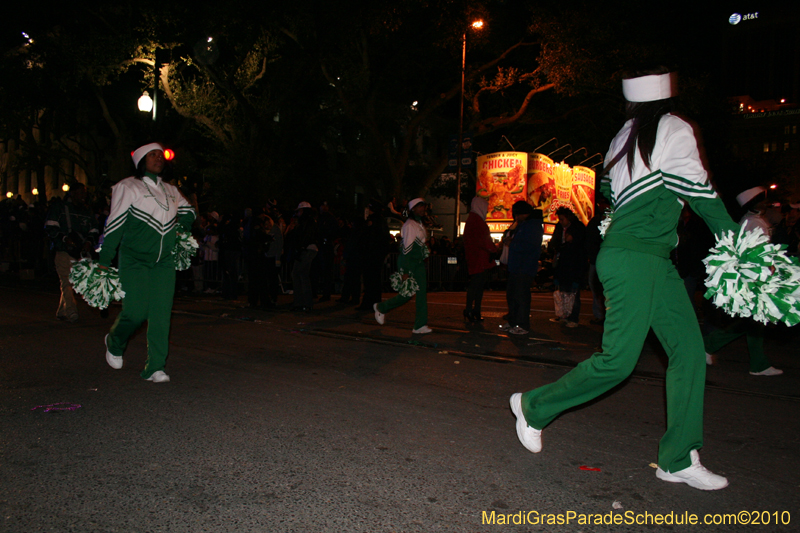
478	246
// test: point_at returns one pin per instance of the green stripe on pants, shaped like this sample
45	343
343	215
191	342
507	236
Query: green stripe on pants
149	290
642	291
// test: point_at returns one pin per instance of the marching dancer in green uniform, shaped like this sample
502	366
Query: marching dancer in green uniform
654	168
146	213
411	278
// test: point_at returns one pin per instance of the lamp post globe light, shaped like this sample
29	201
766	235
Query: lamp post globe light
478	24
145	103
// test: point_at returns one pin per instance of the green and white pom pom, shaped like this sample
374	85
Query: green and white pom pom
99	287
185	248
406	288
750	277
606	222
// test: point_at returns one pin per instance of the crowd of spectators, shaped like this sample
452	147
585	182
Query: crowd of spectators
260	245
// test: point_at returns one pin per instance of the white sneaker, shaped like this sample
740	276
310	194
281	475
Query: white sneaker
114	361
572	324
506	327
379	317
159	376
530	437
555	319
709	359
422	331
516	330
696	476
771	371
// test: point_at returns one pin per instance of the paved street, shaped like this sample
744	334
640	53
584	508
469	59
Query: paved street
327	422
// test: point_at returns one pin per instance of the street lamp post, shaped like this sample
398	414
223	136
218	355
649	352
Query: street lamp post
478	24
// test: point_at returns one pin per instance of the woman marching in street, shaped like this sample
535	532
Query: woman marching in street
146	216
653	168
411	279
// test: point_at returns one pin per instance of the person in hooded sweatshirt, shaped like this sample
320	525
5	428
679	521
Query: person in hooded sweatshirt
478	247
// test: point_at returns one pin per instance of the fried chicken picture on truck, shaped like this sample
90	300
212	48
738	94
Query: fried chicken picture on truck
500	190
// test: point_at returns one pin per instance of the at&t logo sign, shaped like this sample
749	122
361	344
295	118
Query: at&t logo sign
736	18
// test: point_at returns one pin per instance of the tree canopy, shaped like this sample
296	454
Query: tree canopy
315	98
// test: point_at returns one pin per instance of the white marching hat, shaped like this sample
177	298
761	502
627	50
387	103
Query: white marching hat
413	203
142	151
650	88
303	205
745	196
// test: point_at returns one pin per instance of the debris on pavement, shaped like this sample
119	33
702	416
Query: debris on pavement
590	469
616	505
60	406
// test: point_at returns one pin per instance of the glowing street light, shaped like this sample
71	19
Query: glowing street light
35	191
9	194
145	103
478	24
65	188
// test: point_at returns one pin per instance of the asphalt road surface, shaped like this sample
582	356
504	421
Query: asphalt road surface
326	422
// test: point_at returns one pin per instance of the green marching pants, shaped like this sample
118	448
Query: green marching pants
417	271
642	291
755	341
149	290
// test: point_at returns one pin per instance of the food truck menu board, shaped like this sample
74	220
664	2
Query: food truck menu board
507	177
502	181
552	185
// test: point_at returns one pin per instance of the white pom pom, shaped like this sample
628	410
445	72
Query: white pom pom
750	277
98	286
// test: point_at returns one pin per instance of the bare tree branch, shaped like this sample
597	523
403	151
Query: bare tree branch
201	119
291	36
260	74
106	114
250	112
493	123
